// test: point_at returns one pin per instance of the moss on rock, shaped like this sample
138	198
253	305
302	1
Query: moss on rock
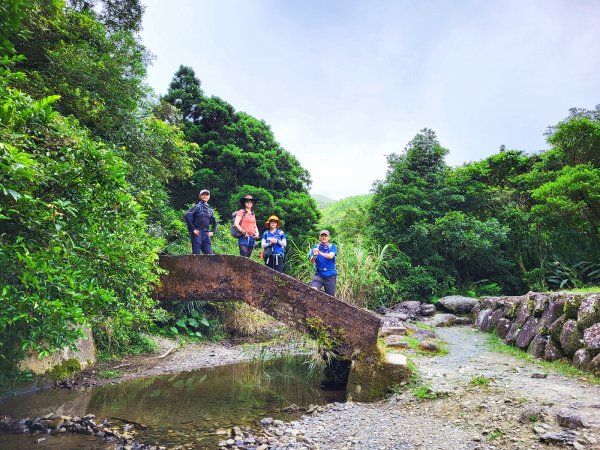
64	370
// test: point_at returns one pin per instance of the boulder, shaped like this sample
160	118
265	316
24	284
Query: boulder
398	330
589	311
449	320
512	334
537	346
524	311
556	328
503	327
489	302
554	311
572	304
420	333
427	309
457	304
526	333
567	418
581	359
539	302
552	352
510	305
495	317
570	338
395	341
481	316
485	319
412	308
591	339
594	365
394	317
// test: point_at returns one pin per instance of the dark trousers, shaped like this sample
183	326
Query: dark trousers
275	262
245	250
327	282
201	244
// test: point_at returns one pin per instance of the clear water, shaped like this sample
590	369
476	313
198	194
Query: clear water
185	408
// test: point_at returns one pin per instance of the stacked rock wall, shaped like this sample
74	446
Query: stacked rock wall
551	326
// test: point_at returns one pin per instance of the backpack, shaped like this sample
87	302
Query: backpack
234	231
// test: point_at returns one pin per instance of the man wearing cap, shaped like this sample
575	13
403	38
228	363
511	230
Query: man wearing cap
323	256
201	224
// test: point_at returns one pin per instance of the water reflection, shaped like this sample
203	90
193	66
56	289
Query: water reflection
187	407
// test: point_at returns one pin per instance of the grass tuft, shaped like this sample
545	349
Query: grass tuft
480	380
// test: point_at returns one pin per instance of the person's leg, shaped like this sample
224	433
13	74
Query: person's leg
329	283
206	244
196	244
245	250
270	262
317	282
278	266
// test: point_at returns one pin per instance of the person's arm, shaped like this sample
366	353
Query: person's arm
331	253
236	223
189	218
213	225
282	239
263	242
312	256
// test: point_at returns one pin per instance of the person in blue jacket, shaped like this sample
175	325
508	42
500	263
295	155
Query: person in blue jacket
273	244
201	224
323	257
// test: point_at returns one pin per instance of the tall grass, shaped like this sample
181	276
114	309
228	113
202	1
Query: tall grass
360	280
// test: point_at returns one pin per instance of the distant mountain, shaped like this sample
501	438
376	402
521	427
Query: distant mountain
322	200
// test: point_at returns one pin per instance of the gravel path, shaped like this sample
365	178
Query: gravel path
517	410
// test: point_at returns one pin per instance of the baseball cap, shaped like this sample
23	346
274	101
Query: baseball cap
204	191
325	232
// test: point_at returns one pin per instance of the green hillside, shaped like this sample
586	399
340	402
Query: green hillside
322	201
334	212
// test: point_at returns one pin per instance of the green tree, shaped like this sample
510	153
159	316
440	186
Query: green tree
239	154
74	249
568	209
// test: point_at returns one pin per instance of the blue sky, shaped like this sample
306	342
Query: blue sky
344	83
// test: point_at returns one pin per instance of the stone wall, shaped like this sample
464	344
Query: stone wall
551	326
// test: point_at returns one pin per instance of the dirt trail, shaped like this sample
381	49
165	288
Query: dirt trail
513	412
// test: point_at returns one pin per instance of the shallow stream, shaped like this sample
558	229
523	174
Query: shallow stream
184	408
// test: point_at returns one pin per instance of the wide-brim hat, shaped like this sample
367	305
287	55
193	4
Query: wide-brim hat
270	219
247	197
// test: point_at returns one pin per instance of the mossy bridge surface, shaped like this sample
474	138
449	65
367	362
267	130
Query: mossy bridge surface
348	330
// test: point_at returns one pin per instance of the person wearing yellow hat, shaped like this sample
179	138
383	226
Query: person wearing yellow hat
273	244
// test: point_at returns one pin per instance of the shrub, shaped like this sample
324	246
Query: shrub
73	243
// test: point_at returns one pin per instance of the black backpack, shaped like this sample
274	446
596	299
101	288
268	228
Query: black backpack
234	231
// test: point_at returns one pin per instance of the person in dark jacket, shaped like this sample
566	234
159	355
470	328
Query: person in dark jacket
201	224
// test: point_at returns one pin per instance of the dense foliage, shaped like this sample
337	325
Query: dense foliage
68	220
509	223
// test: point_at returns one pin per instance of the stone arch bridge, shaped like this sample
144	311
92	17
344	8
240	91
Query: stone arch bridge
351	330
